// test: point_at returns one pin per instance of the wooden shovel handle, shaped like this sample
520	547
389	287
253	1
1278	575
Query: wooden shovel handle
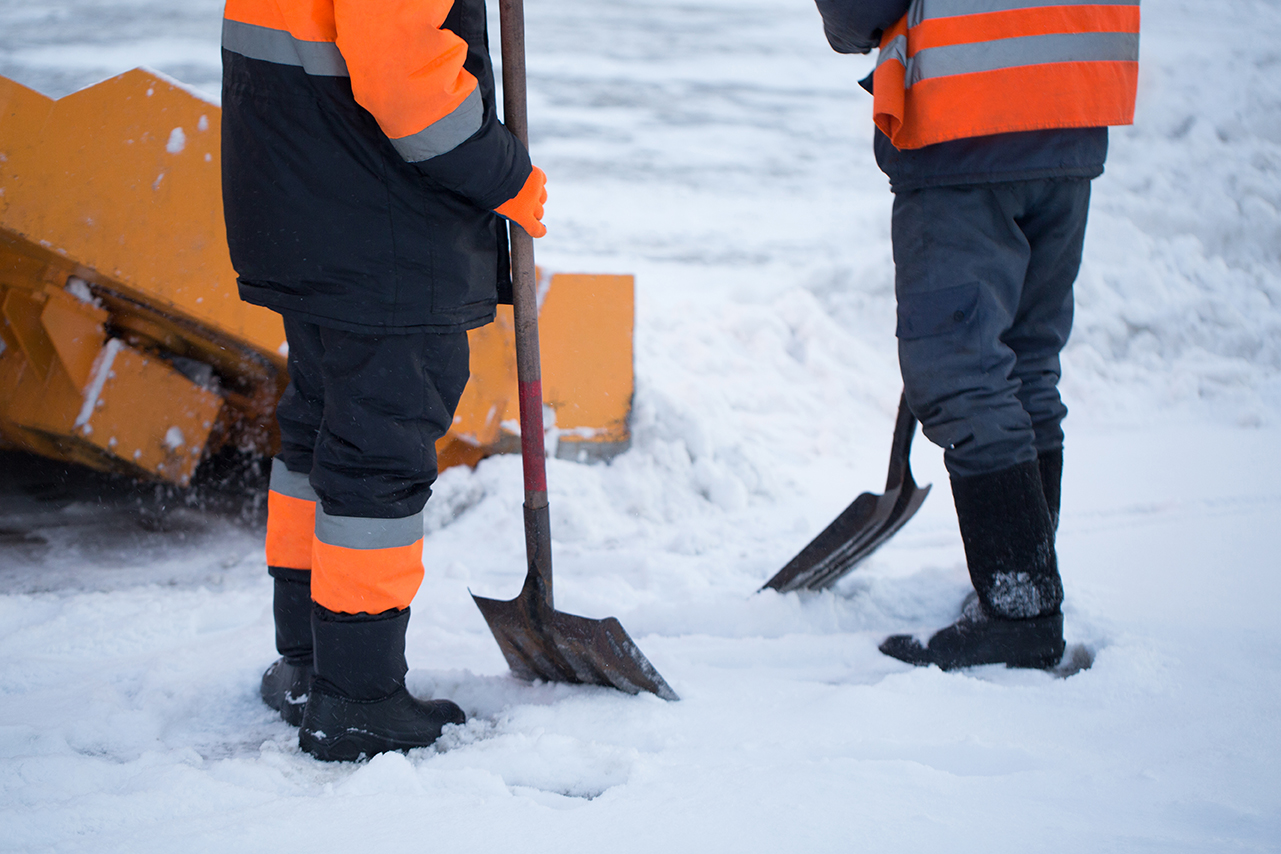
529	373
524	284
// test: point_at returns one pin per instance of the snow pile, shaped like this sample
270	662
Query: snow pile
1180	287
721	152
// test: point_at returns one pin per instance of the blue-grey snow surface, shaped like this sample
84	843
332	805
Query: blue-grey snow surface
721	152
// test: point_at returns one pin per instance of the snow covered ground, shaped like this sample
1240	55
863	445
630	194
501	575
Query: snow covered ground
721	153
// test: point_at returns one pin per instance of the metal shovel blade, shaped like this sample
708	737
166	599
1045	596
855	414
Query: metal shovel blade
542	643
909	500
863	526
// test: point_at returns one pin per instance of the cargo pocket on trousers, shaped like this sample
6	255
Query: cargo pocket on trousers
933	313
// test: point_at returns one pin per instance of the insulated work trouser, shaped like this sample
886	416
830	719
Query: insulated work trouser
358	428
983	276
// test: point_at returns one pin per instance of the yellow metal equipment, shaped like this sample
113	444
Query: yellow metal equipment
124	345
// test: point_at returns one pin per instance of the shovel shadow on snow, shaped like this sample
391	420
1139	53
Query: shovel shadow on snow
488	697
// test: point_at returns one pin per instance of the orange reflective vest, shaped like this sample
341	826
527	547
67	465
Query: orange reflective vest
953	69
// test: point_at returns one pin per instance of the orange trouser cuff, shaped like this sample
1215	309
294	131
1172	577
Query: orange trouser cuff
366	565
291	518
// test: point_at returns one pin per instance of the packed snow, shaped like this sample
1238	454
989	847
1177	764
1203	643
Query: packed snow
721	152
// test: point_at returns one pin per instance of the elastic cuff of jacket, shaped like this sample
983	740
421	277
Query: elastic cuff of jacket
363	565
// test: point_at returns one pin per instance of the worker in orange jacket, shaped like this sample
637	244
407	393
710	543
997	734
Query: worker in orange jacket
991	120
366	187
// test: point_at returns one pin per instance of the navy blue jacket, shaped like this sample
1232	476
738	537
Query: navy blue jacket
855	26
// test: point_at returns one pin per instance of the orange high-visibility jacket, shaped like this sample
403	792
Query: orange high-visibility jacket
954	69
363	160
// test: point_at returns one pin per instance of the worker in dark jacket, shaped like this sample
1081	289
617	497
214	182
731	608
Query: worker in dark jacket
366	185
991	120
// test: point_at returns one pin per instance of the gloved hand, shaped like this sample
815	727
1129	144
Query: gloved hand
526	210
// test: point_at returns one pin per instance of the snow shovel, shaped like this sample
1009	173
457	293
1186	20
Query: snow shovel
538	641
863	526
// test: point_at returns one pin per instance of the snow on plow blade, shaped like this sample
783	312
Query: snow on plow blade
124	345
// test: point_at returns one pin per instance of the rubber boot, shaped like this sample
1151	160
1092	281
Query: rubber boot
1014	617
287	682
358	705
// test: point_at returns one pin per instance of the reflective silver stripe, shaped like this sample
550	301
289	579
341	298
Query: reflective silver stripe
916	13
290	483
921	10
322	59
355	532
1027	50
444	134
896	49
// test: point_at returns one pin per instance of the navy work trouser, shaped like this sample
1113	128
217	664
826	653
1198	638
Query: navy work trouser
362	414
983	276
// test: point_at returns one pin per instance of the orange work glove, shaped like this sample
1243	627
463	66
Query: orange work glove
526	210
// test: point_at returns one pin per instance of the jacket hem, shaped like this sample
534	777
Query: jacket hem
964	179
484	315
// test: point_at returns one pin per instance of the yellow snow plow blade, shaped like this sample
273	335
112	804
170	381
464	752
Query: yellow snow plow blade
124	345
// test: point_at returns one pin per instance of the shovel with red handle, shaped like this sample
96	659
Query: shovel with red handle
538	641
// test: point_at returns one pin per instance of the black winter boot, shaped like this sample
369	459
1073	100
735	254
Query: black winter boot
358	704
1009	542
977	638
287	682
1014	618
